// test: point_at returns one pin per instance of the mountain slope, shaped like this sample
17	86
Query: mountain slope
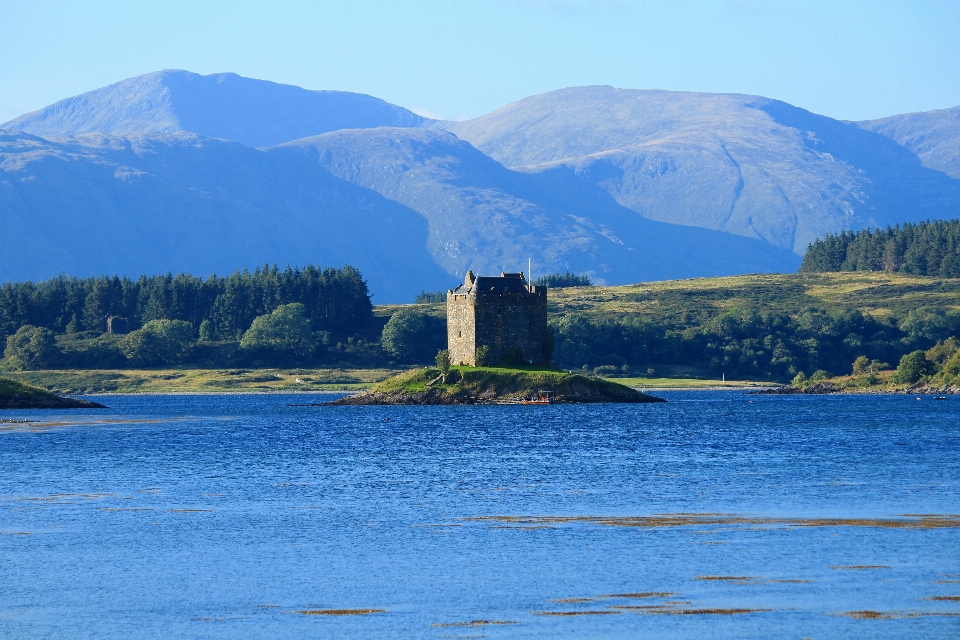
412	209
256	113
485	217
933	135
98	204
741	164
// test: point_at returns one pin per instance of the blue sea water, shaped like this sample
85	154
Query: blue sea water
225	516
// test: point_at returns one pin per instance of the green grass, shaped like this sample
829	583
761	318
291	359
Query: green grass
17	395
680	301
202	380
695	301
688	383
502	383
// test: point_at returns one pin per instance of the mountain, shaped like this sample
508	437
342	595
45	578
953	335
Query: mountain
742	164
933	135
148	203
176	171
252	112
152	203
485	217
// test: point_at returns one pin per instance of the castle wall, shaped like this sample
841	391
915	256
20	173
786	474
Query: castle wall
461	336
499	313
511	320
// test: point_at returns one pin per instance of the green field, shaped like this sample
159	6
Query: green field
697	300
202	380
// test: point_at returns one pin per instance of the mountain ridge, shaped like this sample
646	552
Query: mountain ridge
223	172
256	113
733	162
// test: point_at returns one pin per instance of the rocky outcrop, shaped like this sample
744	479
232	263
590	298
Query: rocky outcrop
830	387
16	395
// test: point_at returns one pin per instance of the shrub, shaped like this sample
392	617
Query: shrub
413	337
31	348
820	375
941	352
158	342
483	356
443	363
952	366
606	370
912	367
207	331
861	365
285	331
799	380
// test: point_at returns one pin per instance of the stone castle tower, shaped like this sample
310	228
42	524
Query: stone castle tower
499	313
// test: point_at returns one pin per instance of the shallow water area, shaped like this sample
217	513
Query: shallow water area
718	514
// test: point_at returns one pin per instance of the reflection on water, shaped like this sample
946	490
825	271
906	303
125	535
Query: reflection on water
717	514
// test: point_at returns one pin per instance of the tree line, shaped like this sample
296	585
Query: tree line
266	317
334	300
929	248
745	343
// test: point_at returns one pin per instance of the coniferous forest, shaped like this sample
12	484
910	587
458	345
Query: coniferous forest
924	249
66	319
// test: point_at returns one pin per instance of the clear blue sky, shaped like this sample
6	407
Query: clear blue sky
464	58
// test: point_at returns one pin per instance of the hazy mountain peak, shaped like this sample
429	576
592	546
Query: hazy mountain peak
256	113
737	163
933	135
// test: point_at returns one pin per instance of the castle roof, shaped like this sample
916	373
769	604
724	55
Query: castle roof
506	283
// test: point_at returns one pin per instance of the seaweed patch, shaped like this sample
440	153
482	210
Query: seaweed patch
474	623
738	579
602	612
338	612
923	521
702	612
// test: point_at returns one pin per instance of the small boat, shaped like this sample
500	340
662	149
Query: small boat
542	397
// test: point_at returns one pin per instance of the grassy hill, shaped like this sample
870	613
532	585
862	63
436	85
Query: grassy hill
701	299
16	395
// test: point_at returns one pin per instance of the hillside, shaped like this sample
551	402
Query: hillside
148	203
96	204
173	171
933	135
703	299
485	217
737	163
256	113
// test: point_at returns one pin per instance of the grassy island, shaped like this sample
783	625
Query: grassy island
16	395
491	385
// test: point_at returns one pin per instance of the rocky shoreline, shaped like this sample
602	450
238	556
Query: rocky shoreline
821	388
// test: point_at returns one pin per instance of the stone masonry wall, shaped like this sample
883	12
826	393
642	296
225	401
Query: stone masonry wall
511	320
461	337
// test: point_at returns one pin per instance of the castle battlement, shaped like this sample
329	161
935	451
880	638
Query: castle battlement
501	313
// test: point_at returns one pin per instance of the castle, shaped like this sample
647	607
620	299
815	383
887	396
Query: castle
503	314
